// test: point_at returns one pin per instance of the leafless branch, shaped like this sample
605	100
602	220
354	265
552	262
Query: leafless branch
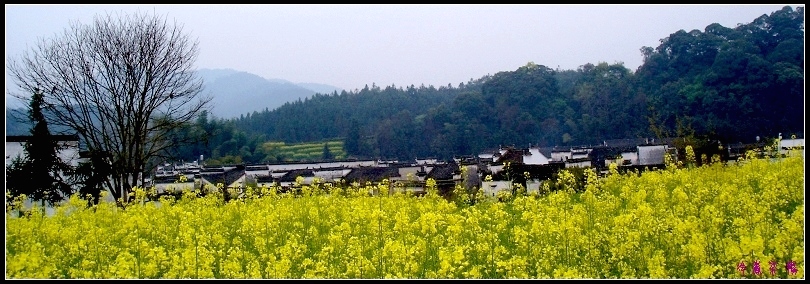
123	83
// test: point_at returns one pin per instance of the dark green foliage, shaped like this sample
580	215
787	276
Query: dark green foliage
16	180
327	155
731	84
90	176
727	84
40	173
579	179
351	143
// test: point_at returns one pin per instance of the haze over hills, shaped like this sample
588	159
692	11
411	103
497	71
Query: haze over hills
233	93
237	93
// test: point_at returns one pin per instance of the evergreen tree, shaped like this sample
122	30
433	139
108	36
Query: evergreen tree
327	155
90	176
17	181
351	144
39	175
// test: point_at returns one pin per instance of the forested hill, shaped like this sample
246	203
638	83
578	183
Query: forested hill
727	83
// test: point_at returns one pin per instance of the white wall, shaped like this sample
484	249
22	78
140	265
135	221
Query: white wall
257	173
405	171
68	155
331	175
426	161
580	153
495	169
631	156
786	144
536	158
487	157
651	154
492	187
789	143
580	164
560	156
533	186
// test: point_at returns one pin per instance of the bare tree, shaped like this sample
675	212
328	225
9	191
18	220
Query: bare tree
125	84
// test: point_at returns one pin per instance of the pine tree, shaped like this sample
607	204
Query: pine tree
39	174
351	144
90	175
327	155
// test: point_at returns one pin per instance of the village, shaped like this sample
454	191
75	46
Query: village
485	171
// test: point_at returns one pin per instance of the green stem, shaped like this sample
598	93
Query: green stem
196	258
98	258
379	238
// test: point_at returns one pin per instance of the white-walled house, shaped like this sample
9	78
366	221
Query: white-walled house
629	158
69	148
535	157
486	157
257	170
331	175
578	163
411	173
495	168
651	154
580	152
560	155
231	177
491	188
489	155
790	144
533	185
427	161
304	181
325	165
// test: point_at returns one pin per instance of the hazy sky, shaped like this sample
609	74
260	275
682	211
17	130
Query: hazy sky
350	46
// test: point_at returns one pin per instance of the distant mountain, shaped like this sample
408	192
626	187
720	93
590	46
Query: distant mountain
236	92
16	121
233	93
321	88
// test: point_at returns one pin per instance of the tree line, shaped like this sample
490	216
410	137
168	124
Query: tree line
728	84
125	86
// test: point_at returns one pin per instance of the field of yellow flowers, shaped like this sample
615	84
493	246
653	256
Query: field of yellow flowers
744	220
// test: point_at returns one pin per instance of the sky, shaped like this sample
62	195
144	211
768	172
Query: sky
351	46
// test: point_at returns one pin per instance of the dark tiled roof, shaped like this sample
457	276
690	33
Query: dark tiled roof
257	168
213	177
577	160
546	151
169	179
622	143
372	174
511	155
293	174
208	169
600	153
226	177
561	149
542	172
669	141
605	152
443	172
264	178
